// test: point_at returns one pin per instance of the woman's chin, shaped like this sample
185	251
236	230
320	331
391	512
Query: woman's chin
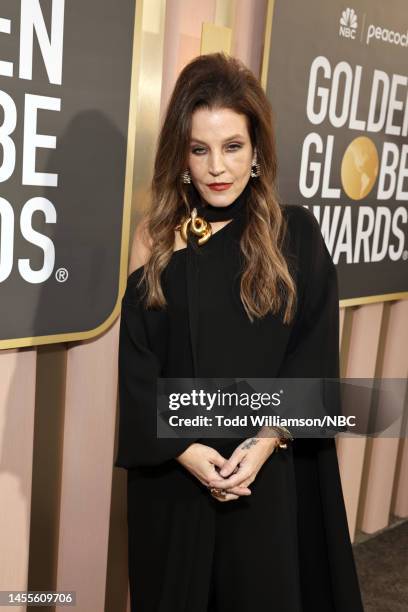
220	198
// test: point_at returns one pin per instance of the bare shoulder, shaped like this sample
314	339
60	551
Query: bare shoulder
141	245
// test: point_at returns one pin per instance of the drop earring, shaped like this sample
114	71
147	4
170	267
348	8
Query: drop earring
255	169
185	176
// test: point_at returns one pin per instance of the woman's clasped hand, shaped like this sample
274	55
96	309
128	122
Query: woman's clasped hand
229	477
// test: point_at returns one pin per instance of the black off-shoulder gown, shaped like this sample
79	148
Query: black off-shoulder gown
285	548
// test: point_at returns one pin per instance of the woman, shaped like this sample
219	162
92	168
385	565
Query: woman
226	524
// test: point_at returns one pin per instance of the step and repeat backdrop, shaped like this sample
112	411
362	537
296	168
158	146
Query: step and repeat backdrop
337	79
65	79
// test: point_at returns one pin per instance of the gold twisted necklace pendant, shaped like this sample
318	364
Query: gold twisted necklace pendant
196	225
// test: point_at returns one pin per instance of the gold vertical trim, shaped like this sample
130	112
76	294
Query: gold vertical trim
267	43
346	340
149	102
130	166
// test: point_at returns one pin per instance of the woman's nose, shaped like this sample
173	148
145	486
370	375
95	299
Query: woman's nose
215	165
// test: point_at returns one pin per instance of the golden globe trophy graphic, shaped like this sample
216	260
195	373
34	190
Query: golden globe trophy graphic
359	168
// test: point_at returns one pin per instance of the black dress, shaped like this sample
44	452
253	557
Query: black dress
285	548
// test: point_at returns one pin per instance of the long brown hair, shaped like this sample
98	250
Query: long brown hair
220	81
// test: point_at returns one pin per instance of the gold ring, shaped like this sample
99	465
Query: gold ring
219	493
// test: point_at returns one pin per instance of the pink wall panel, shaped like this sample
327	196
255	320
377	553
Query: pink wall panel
383	455
17	403
361	363
248	32
90	415
182	38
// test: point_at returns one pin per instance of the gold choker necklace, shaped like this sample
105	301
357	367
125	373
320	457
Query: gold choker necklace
197	226
198	222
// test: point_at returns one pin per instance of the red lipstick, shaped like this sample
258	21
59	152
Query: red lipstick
219	186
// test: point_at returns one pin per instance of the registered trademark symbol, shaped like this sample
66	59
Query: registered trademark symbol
61	275
405	255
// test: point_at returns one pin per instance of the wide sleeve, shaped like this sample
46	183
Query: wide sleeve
139	366
313	347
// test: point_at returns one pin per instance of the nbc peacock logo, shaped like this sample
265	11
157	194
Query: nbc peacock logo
348	23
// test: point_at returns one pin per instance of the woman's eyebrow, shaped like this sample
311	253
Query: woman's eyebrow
226	140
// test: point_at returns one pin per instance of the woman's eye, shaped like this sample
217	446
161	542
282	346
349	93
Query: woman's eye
231	147
197	150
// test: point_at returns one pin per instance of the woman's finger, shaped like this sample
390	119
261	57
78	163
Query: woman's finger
231	464
233	481
245	491
243	488
217	459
